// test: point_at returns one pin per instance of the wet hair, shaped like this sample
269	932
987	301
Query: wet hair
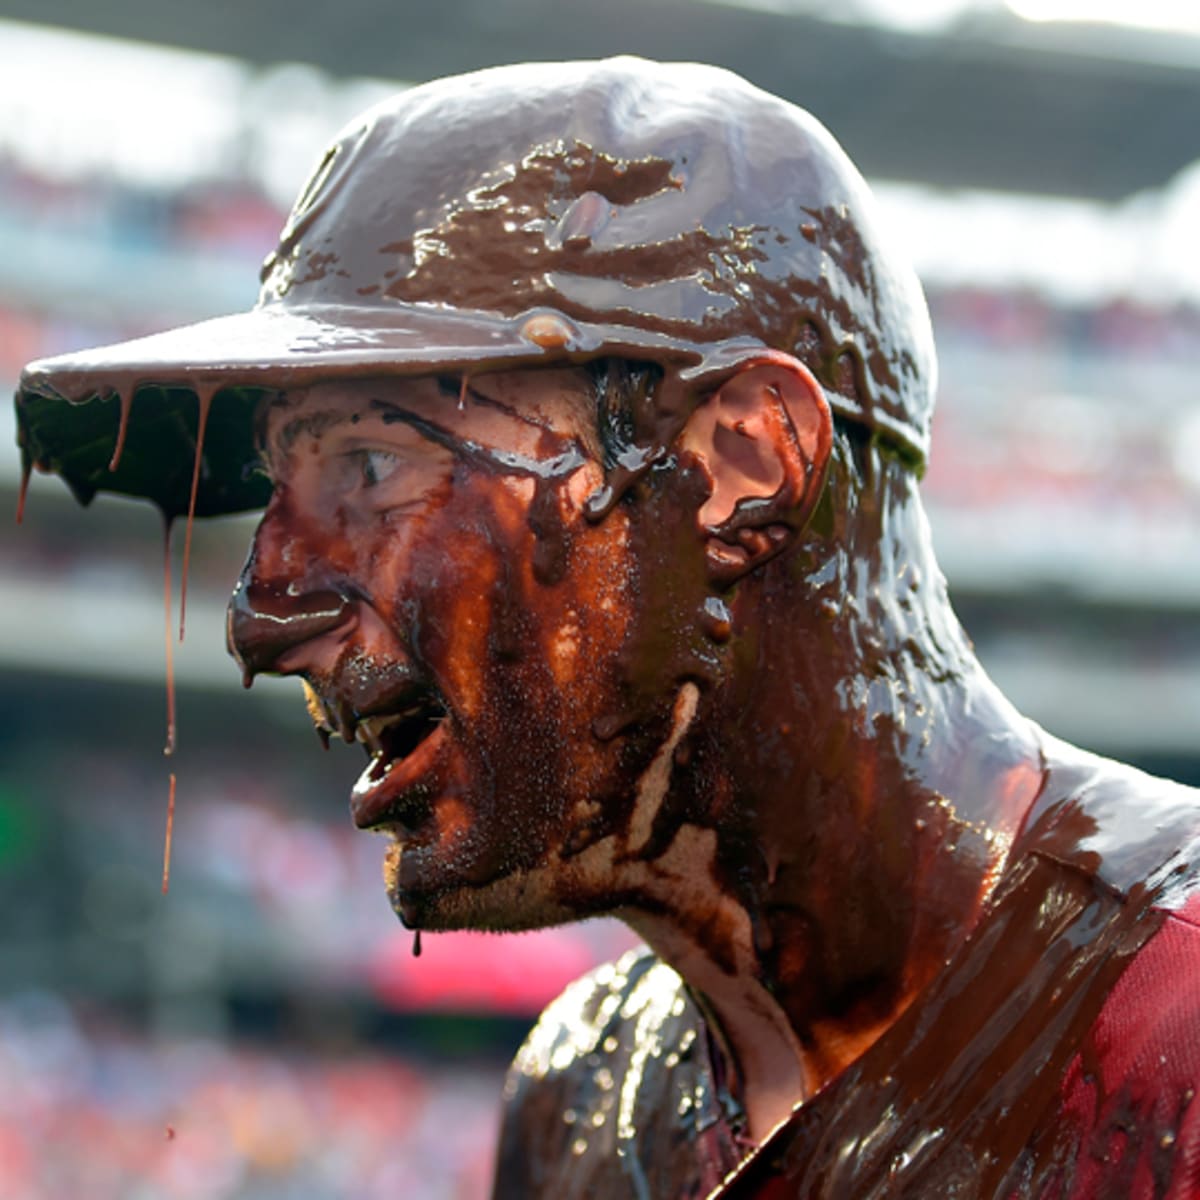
622	387
871	483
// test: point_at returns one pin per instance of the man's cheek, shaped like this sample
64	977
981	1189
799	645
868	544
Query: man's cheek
596	603
454	622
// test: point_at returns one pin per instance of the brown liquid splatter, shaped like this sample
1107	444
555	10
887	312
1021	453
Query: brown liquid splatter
166	876
204	399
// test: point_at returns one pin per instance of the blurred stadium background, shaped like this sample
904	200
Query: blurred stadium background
263	1031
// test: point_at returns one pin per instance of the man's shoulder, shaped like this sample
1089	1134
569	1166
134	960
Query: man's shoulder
1136	833
593	1008
617	1066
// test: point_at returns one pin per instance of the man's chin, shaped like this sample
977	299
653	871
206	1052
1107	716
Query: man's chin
425	895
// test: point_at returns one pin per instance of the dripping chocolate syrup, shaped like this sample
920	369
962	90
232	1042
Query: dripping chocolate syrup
416	949
169	748
166	874
169	640
204	400
126	402
23	491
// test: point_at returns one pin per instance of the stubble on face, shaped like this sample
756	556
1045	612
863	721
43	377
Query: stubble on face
463	543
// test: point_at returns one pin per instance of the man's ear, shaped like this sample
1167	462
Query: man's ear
763	438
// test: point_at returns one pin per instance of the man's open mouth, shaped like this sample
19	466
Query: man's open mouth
390	739
401	744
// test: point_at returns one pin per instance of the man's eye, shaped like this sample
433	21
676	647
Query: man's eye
376	466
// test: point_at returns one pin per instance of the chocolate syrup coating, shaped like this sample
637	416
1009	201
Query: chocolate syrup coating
961	1097
525	214
615	1094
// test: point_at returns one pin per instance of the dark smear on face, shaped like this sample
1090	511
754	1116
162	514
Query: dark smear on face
567	455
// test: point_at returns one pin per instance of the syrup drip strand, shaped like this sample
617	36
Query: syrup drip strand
417	944
166	879
26	471
169	748
205	402
122	430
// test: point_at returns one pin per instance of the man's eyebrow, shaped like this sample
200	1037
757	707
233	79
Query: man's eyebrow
393	414
273	445
567	460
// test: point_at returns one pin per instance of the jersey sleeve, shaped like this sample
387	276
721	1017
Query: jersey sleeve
1131	1090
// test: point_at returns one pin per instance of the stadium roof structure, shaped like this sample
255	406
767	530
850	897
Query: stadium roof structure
984	101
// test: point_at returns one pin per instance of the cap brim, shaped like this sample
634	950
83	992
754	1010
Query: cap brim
69	407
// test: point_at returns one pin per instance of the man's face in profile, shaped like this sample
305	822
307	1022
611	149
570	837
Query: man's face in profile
426	566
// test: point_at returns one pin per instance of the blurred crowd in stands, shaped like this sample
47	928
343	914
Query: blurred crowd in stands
90	1110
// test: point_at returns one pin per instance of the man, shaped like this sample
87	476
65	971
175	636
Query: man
592	406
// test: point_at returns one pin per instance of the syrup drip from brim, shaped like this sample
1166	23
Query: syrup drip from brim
166	875
126	401
204	398
417	944
23	491
169	641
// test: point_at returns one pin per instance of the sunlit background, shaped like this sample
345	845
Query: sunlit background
262	1031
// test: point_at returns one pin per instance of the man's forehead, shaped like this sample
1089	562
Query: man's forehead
546	391
489	407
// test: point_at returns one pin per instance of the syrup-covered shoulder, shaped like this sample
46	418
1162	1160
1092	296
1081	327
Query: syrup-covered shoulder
614	1093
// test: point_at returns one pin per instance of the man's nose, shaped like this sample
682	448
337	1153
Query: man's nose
282	615
266	624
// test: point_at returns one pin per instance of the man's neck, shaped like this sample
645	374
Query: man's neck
856	883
